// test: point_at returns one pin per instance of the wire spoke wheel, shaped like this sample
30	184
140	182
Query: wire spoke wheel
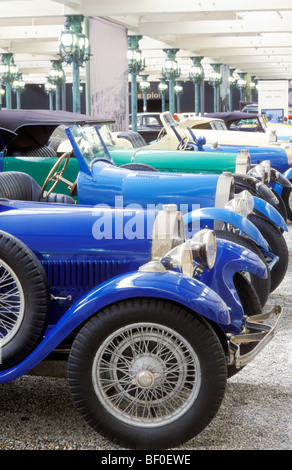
146	374
11	304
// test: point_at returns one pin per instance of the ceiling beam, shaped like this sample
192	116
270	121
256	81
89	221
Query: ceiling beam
154	7
275	40
208	28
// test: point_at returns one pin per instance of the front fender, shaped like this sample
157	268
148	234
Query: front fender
183	290
209	215
230	259
278	188
270	212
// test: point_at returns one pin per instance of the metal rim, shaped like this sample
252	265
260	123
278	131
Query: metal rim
11	304
146	374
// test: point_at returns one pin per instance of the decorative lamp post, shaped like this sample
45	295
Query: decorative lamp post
162	87
171	71
178	89
57	77
196	75
232	83
8	73
144	86
253	87
74	49
215	79
2	92
18	86
241	85
135	65
50	89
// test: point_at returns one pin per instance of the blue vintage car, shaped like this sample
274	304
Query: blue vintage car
205	198
149	324
279	156
116	187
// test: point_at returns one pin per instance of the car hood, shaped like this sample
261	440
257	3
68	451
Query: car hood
34	127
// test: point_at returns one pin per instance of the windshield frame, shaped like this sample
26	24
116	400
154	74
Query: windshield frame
91	139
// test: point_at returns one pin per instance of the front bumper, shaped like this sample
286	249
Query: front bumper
256	335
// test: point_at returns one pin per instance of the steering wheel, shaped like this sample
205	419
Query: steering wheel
183	143
56	175
73	189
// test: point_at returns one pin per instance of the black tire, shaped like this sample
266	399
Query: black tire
45	152
287	198
281	206
168	336
24	312
251	306
261	286
277	245
138	167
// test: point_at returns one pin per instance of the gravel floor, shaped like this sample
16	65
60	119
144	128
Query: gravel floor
38	414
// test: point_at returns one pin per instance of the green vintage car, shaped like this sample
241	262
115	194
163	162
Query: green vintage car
34	150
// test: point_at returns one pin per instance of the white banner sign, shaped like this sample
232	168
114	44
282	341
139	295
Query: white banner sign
273	99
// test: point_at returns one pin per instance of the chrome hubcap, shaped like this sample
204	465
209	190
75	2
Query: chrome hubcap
146	375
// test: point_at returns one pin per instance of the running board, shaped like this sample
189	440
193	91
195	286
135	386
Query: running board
256	332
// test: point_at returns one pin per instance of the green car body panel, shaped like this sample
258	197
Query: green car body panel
177	161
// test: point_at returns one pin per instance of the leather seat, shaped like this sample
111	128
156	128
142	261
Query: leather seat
134	137
20	186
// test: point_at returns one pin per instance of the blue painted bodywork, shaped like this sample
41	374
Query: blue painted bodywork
87	273
276	155
101	182
270	212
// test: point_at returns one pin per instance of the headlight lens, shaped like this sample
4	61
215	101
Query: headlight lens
179	259
248	200
237	205
262	171
204	248
168	231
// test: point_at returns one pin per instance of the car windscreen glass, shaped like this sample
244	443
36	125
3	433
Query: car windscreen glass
90	142
218	125
169	121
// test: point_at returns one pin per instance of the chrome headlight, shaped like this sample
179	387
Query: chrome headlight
204	248
242	204
180	259
273	136
168	231
248	200
262	171
242	162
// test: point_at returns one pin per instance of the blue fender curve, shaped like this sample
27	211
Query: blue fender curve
277	187
229	217
187	292
270	212
230	259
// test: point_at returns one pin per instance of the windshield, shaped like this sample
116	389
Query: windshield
218	125
91	142
168	121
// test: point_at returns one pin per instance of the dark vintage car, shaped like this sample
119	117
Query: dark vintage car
149	324
148	125
241	121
